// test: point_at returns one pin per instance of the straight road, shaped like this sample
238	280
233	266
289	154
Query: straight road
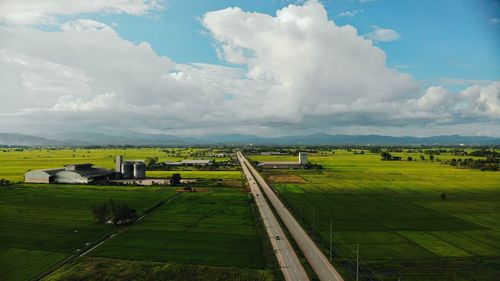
320	264
289	262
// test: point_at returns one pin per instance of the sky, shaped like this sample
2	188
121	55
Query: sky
268	68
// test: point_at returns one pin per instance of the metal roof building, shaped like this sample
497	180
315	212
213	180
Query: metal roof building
196	162
189	163
280	165
75	173
286	164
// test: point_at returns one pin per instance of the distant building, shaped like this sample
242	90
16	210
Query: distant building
130	169
280	165
285	164
303	158
270	153
189	163
75	173
196	162
168	163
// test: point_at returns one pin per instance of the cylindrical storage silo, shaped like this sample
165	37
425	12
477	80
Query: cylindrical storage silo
139	170
127	169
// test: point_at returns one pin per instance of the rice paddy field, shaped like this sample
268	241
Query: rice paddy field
209	228
213	235
41	225
393	210
197	236
14	162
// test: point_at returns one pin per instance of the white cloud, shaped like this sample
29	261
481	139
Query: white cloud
311	61
482	101
28	12
382	34
351	13
296	72
494	21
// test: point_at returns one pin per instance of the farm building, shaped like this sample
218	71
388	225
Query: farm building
130	169
286	164
190	163
75	173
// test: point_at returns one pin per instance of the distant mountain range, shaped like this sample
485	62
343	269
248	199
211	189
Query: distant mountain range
89	139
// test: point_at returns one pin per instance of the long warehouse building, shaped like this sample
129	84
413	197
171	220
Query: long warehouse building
75	173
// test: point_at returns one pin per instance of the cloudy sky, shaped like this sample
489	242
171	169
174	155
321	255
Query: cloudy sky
187	67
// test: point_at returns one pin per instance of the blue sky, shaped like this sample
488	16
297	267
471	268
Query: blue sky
438	39
186	67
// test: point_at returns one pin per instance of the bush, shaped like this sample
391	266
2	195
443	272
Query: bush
113	212
4	182
175	179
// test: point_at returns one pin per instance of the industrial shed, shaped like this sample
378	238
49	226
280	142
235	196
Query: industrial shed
280	165
75	173
286	164
190	163
42	176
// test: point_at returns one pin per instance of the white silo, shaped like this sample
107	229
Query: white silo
127	169
139	170
303	158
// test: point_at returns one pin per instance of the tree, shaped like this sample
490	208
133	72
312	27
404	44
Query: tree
115	212
443	196
410	158
431	157
422	157
4	182
123	214
150	161
175	179
101	213
386	155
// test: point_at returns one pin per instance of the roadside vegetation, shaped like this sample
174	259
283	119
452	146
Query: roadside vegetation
98	269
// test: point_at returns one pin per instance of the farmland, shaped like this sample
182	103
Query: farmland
210	233
211	228
43	224
394	211
15	162
201	235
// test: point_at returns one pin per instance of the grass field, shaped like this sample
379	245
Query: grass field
98	269
15	162
211	228
42	224
394	211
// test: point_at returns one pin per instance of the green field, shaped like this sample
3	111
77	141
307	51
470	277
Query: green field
42	224
209	228
394	211
15	162
98	269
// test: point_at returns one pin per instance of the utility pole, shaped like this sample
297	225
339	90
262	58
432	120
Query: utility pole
330	240
357	261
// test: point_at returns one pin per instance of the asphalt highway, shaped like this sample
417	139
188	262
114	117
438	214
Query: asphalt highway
289	262
320	264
